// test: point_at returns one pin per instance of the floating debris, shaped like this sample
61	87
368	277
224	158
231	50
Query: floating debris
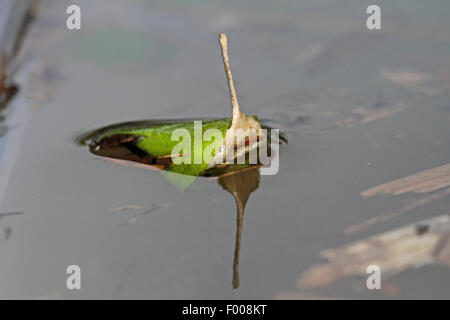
365	115
407	207
144	210
422	182
8	214
412	246
416	81
405	77
7	89
128	208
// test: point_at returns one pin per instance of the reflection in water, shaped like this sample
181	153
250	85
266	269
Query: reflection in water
240	185
238	179
411	246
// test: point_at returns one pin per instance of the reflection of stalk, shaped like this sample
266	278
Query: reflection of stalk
240	185
237	248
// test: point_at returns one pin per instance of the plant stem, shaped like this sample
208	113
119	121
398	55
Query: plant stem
237	114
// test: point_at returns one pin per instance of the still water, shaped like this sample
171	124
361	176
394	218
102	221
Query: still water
360	108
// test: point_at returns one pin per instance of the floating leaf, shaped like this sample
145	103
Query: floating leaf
158	143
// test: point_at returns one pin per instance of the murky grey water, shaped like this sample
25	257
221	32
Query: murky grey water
361	108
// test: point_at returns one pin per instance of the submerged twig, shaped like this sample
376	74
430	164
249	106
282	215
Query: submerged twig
7	214
7	90
410	205
411	246
421	182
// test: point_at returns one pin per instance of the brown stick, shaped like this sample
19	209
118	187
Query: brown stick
226	64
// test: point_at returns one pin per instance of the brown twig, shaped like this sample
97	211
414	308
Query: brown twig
226	64
7	91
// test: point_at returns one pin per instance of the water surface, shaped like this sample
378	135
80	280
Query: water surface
361	108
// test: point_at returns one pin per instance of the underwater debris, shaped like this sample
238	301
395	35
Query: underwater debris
407	207
7	89
421	182
411	246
